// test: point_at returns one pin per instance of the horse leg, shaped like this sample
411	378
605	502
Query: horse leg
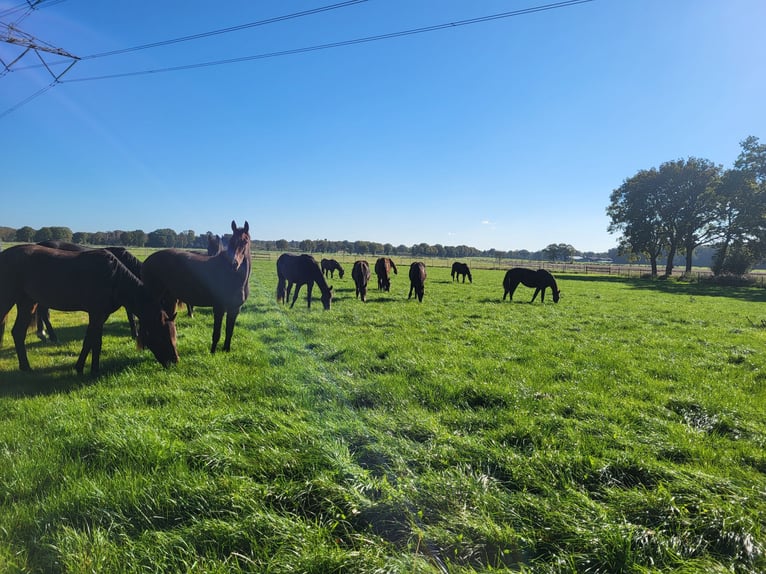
189	310
217	321
19	332
411	288
231	319
535	295
132	323
295	295
92	342
309	289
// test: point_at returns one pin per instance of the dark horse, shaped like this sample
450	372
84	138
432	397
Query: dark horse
214	247
330	266
92	281
300	270
461	269
219	281
361	275
417	280
383	268
44	327
539	279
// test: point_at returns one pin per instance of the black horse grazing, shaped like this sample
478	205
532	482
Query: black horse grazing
92	281
461	269
417	280
300	270
330	266
43	316
383	268
361	275
219	281
540	280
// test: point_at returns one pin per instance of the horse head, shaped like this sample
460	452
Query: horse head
157	331
556	295
327	298
239	244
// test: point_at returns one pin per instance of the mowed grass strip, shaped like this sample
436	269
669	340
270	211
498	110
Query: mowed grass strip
620	430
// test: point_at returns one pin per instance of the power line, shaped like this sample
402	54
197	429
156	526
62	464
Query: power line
343	43
226	30
339	44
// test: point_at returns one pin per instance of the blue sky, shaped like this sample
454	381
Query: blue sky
506	134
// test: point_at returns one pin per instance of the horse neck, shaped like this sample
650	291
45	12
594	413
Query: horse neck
128	288
319	278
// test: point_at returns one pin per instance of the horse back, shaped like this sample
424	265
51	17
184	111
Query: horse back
62	280
194	278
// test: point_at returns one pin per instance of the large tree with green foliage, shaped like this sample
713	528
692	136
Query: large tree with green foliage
635	210
666	211
740	225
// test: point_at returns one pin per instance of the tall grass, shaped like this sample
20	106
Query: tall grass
621	430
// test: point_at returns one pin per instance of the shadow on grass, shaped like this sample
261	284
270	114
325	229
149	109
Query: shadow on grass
697	288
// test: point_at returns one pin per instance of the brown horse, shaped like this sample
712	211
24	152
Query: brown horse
417	280
214	247
43	316
92	281
383	268
361	275
300	270
219	281
540	280
461	269
330	266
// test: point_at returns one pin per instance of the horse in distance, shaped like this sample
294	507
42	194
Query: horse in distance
299	270
458	269
330	266
360	273
93	281
383	268
417	280
220	281
539	279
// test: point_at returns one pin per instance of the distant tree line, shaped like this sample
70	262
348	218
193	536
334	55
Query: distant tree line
686	204
164	238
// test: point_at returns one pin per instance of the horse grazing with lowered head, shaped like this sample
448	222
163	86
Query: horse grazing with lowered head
330	266
300	270
417	280
383	268
44	327
361	275
461	269
540	280
219	281
91	281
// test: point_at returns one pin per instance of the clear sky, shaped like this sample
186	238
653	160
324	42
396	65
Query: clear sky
506	134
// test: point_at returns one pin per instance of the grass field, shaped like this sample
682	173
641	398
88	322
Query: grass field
621	430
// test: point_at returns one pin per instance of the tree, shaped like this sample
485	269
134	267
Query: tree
740	225
688	205
636	211
281	244
307	246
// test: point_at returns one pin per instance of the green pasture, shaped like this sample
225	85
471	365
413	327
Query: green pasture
620	430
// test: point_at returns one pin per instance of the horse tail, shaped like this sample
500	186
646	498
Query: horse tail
281	290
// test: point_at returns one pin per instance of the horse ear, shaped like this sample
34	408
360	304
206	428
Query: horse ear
233	225
247	227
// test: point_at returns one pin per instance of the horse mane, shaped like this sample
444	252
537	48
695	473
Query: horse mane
127	259
125	284
319	277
